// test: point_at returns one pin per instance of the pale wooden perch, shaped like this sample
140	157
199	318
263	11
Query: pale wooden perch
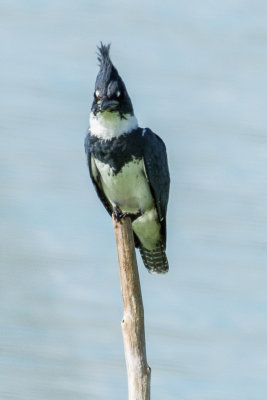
133	317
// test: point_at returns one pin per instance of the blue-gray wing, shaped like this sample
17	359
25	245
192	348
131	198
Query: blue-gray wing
157	171
95	176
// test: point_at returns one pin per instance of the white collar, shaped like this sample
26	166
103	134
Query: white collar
108	125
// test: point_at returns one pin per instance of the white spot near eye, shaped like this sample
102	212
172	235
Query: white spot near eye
118	93
97	93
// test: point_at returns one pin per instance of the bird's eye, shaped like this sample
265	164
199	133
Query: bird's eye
97	93
118	93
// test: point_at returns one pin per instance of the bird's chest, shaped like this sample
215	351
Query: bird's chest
127	188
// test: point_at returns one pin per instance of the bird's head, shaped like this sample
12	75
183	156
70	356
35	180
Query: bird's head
110	94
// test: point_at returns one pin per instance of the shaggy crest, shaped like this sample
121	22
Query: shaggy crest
107	71
103	54
109	83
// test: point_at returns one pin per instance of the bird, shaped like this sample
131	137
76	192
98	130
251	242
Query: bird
128	164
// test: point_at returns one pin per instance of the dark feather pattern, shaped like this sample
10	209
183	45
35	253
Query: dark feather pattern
155	260
117	151
140	143
156	166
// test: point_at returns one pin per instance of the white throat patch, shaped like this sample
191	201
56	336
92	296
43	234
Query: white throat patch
108	125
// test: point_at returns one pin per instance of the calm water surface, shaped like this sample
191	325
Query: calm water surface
197	75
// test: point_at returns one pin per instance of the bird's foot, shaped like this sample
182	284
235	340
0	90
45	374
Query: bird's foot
134	216
118	214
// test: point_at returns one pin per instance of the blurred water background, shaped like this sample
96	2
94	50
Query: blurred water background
197	75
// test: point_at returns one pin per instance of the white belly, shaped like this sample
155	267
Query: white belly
129	189
147	228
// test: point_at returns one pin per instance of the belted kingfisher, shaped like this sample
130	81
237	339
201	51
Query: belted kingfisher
128	165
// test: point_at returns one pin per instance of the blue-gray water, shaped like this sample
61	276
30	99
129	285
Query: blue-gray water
197	75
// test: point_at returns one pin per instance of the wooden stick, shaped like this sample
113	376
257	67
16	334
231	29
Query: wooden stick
133	317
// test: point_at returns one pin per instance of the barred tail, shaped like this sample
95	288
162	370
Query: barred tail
155	260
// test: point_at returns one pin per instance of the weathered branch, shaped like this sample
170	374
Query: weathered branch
133	317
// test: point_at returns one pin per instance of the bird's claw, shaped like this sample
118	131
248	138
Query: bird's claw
118	214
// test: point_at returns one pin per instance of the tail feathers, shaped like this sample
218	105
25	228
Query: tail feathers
155	260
